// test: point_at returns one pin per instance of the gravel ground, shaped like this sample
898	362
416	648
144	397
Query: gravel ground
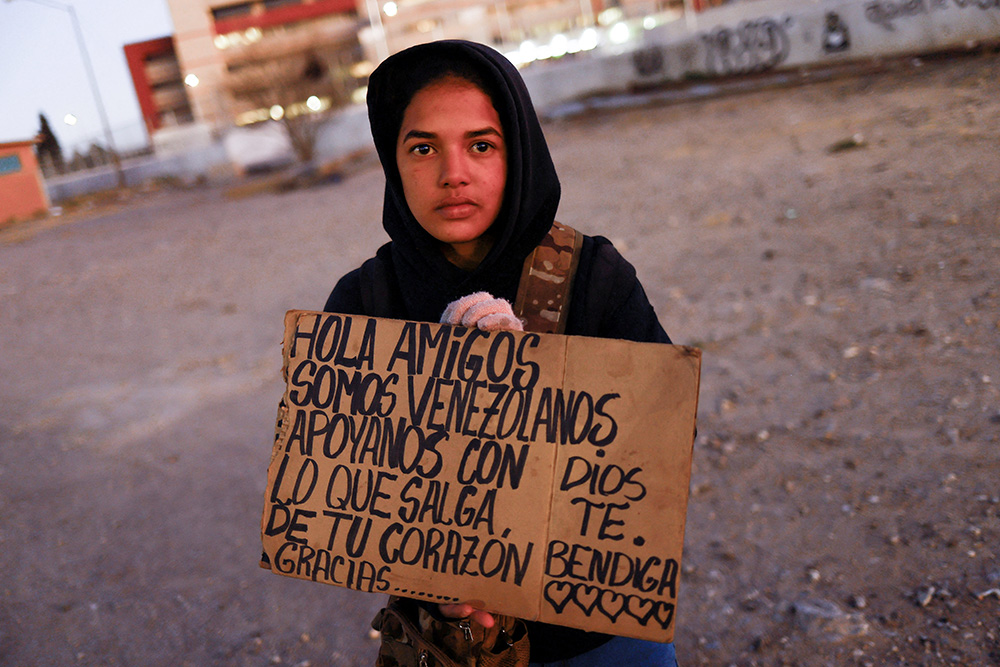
832	247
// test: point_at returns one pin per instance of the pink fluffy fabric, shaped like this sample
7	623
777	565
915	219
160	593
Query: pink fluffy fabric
484	311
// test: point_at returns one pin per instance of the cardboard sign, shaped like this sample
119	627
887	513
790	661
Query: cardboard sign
546	475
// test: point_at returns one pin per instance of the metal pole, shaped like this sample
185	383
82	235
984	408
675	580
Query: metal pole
378	30
689	12
97	98
95	91
503	20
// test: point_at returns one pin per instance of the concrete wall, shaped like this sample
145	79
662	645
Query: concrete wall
204	162
764	35
197	155
347	133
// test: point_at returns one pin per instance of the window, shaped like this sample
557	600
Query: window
232	11
10	164
275	4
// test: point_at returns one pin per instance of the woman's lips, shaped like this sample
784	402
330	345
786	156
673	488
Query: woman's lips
456	208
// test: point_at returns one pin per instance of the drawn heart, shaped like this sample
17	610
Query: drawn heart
559	595
611	604
663	612
639	608
585	598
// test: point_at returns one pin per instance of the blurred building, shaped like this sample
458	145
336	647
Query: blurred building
242	58
238	63
22	189
505	24
159	84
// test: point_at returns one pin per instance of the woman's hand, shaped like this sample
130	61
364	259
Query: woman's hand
471	610
484	311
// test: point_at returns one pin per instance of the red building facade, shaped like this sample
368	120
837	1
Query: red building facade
22	189
159	84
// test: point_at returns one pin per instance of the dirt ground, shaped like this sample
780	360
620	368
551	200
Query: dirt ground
832	247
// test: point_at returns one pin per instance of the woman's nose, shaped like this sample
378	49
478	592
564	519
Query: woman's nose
454	169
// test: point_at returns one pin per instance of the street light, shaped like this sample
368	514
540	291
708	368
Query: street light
93	81
689	11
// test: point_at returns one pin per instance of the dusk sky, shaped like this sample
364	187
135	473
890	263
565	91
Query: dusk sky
41	69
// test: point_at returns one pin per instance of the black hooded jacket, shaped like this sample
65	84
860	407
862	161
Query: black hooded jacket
410	278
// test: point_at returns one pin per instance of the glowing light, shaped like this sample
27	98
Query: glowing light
528	51
192	80
649	23
359	95
588	40
390	9
559	45
221	42
609	16
251	117
619	33
360	70
276	112
69	119
313	103
253	34
514	57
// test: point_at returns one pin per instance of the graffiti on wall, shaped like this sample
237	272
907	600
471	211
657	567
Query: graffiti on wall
836	36
649	61
752	46
885	12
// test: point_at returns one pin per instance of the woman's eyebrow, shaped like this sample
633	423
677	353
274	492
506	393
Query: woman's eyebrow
485	132
472	134
419	134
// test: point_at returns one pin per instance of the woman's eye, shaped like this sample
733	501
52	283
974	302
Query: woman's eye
481	147
421	149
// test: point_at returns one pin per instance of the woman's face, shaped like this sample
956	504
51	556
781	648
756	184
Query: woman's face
453	163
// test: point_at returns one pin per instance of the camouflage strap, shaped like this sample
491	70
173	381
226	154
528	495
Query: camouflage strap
411	637
404	643
547	280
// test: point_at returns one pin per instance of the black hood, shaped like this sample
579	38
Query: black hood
426	279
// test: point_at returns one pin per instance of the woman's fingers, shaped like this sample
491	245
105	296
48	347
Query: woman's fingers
470	610
483	618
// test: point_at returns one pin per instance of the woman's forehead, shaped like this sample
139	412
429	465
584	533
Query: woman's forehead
451	84
452	100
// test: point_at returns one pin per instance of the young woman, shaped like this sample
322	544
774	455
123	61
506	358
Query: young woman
470	192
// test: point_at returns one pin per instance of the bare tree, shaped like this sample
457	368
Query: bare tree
300	83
